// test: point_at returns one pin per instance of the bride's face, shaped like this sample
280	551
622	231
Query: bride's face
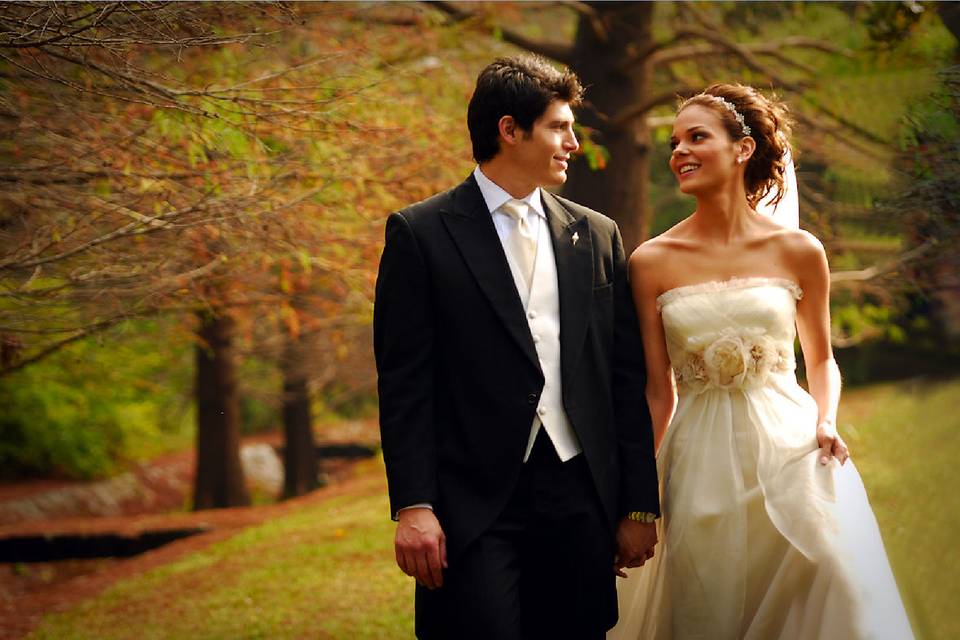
704	157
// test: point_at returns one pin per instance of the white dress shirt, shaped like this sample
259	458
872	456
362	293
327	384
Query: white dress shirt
495	197
541	303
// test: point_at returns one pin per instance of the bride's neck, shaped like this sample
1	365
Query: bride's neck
722	217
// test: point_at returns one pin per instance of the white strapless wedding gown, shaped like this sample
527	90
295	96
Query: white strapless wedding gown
758	540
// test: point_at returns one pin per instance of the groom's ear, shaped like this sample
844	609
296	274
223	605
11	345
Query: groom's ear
509	131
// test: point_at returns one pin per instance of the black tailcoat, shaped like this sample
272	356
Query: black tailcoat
459	379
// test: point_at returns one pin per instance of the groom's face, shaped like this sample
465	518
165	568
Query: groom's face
544	152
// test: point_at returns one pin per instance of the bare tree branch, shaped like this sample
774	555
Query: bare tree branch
596	23
22	28
877	270
665	56
744	53
559	52
60	344
839	133
104	13
43	177
639	109
847	123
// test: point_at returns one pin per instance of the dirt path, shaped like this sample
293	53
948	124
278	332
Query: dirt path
149	497
160	485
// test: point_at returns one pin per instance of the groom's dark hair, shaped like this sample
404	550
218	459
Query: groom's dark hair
521	86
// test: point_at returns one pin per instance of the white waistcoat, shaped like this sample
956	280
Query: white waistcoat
542	305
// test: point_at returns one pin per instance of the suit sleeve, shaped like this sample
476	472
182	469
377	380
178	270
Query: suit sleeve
403	340
639	489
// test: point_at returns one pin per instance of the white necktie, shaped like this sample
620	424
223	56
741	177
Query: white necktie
522	242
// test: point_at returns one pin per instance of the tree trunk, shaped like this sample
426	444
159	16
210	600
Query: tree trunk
621	189
299	451
949	13
219	478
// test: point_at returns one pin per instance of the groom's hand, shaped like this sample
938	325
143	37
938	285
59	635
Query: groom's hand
635	543
421	546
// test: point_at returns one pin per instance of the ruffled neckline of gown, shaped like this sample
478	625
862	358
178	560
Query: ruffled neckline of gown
710	286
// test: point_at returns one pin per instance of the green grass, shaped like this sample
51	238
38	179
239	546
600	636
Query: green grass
905	439
328	572
324	572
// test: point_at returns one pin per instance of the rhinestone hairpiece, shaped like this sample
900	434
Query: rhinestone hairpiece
732	109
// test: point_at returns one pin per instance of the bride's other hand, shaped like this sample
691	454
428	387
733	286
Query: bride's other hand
831	444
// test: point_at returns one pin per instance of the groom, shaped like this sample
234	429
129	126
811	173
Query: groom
515	433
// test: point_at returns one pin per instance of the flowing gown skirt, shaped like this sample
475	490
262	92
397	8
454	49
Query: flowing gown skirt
758	539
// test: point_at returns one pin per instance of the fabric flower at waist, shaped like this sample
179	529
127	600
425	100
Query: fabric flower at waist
732	360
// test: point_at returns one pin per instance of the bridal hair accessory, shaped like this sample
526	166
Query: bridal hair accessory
732	109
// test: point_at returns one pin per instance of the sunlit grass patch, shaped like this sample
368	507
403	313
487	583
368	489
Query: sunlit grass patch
905	439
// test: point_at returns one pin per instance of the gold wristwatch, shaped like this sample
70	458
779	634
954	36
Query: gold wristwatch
642	516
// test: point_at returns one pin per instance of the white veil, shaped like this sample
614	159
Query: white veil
787	211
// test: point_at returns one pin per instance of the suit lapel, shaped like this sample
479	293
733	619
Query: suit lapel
471	227
573	249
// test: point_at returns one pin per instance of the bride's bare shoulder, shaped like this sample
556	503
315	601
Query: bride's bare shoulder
654	260
802	253
664	245
800	244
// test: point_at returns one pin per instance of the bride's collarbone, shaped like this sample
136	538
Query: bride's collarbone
683	261
764	238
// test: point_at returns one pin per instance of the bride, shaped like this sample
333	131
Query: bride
767	532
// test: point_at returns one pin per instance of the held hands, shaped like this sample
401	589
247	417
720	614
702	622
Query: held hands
421	546
635	543
830	443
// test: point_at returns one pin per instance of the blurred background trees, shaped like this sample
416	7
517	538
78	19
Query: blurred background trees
193	194
219	170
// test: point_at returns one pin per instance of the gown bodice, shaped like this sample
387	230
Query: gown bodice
730	334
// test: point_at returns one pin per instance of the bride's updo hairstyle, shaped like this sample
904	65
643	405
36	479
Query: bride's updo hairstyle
765	120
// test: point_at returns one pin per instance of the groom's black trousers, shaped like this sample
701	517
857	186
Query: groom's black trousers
544	569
